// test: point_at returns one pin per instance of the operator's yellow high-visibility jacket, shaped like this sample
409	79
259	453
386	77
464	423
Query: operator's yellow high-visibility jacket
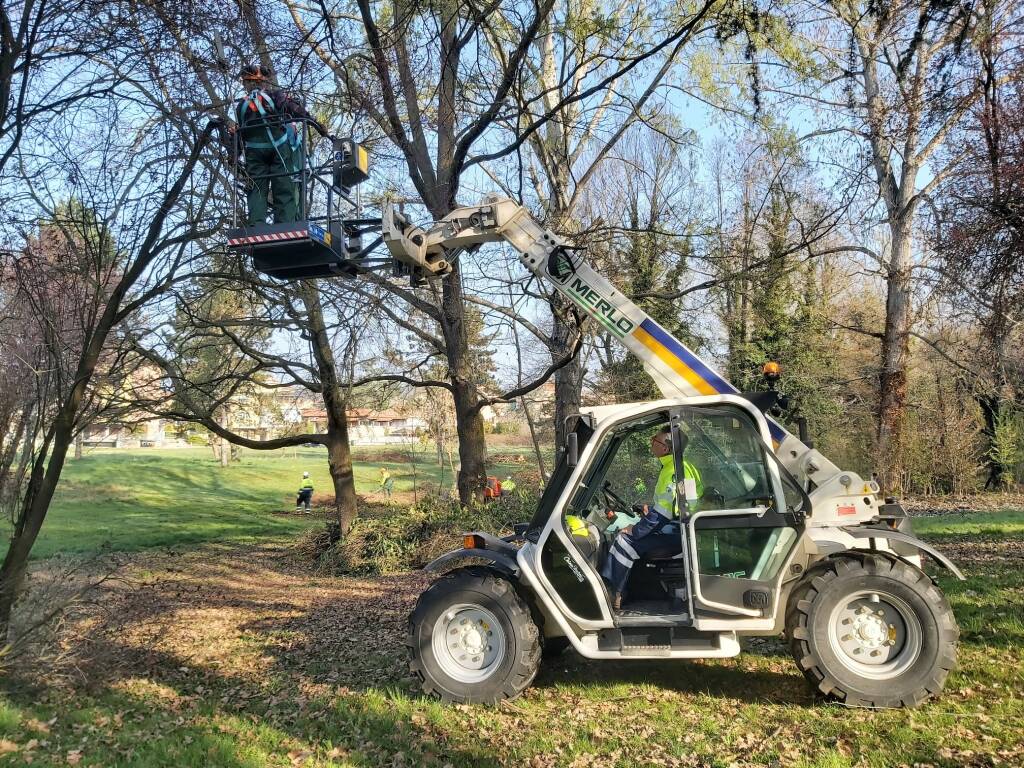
665	491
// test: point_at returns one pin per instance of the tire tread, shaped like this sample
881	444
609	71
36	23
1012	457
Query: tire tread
528	644
851	564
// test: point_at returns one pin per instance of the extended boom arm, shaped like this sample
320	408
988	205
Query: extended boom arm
676	369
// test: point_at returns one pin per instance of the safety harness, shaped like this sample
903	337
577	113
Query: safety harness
253	104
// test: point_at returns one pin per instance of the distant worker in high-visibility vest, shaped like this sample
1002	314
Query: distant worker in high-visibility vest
508	486
271	144
305	494
387	482
657	533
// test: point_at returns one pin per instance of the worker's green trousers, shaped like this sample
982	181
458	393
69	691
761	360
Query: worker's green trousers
271	170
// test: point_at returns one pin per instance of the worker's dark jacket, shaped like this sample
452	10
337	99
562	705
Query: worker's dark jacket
252	125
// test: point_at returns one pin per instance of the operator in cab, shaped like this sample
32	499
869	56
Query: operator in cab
657	533
271	145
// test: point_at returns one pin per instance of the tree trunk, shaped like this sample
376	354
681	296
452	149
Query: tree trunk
469	424
46	470
339	453
536	442
991	406
892	396
339	460
569	378
78	446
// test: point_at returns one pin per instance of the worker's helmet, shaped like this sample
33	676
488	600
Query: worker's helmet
254	72
305	474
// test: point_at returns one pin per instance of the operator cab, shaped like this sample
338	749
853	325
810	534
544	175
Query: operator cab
739	519
327	238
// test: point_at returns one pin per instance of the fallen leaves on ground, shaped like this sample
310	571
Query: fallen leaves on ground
225	641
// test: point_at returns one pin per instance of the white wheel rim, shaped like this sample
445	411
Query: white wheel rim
875	634
468	643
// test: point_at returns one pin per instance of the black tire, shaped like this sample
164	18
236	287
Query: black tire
929	640
555	647
515	665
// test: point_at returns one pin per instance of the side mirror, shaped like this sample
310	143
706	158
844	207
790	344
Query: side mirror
572	449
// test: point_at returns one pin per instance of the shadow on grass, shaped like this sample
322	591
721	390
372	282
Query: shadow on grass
729	679
235	723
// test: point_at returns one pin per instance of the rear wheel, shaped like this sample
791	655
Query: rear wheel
872	631
472	638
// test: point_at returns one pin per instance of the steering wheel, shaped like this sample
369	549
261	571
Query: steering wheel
614	501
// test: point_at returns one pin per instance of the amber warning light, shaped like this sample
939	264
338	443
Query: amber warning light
772	370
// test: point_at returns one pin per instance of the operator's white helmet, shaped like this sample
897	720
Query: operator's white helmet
305	474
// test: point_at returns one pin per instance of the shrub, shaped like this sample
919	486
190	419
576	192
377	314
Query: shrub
412	537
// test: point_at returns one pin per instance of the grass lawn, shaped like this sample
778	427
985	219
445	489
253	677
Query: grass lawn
129	500
241	657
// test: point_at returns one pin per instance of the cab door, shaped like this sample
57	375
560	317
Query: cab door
617	470
740	525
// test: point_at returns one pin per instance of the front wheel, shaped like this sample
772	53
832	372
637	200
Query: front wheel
472	638
872	631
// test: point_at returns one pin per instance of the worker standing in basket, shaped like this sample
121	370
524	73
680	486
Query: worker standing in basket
272	146
305	493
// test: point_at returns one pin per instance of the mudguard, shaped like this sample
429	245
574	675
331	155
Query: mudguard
869	532
501	560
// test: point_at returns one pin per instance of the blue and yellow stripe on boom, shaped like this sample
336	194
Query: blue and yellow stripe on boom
690	367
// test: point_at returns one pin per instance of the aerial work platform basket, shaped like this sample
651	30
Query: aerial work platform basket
327	238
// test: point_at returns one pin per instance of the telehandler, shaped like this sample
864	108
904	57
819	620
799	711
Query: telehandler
778	540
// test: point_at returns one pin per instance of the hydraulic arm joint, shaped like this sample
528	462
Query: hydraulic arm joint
497	219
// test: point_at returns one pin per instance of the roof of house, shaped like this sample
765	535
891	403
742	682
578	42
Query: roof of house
356	413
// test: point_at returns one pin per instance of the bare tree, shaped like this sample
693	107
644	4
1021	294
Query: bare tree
38	41
264	335
891	79
80	289
979	238
442	106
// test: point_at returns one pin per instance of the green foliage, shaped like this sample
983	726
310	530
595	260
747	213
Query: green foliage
650	264
775	310
503	428
412	537
1006	447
